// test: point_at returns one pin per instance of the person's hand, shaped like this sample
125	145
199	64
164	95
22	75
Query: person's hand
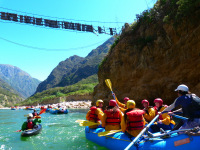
159	113
113	94
170	113
160	122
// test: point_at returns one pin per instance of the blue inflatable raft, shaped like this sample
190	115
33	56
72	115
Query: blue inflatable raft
120	141
56	111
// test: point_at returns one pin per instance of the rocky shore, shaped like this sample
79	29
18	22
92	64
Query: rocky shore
69	104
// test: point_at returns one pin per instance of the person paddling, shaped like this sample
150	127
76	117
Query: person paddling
190	107
149	111
30	123
112	117
35	113
165	122
95	113
122	106
133	121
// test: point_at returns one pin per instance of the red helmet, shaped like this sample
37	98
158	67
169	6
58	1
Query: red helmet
112	103
158	100
126	99
145	101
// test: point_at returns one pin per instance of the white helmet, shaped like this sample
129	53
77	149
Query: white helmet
30	115
182	87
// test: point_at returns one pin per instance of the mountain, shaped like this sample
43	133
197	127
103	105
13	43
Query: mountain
8	96
76	68
19	80
155	54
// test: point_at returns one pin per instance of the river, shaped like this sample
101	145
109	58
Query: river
59	132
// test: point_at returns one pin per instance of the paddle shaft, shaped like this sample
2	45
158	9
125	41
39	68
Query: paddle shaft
142	132
180	117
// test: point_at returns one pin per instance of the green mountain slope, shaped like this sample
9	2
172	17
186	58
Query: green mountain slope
8	96
76	68
83	87
19	80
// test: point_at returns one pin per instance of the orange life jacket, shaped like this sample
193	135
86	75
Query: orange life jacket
92	115
112	118
135	120
30	125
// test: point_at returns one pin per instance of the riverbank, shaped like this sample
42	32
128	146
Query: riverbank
68	104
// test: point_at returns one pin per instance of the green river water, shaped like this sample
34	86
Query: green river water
58	132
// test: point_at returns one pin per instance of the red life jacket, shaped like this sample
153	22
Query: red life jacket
92	115
112	118
30	125
158	110
135	120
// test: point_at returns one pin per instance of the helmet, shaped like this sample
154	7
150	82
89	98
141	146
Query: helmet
112	103
30	115
145	101
182	87
130	104
99	101
158	100
126	99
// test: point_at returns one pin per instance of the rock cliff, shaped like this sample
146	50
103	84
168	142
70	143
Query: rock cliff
152	59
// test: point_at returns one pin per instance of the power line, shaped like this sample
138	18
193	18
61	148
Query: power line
47	49
58	17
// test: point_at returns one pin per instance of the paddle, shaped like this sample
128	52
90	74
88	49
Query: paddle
41	112
142	132
180	117
86	123
109	84
108	132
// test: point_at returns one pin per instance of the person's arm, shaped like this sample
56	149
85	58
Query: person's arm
103	120
172	106
166	119
100	113
119	103
24	126
87	115
123	125
35	121
122	109
151	115
178	111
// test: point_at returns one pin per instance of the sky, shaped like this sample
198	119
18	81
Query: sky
56	45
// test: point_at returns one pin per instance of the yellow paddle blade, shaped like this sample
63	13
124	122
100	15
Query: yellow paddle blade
88	123
108	83
80	121
108	132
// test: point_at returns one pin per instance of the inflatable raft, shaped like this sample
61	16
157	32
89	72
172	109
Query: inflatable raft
56	111
36	130
159	141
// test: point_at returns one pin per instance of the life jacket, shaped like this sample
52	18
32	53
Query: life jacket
135	120
92	115
34	114
193	109
30	125
112	118
147	111
158	110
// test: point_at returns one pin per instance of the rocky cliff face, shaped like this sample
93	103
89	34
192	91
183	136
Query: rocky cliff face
153	60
